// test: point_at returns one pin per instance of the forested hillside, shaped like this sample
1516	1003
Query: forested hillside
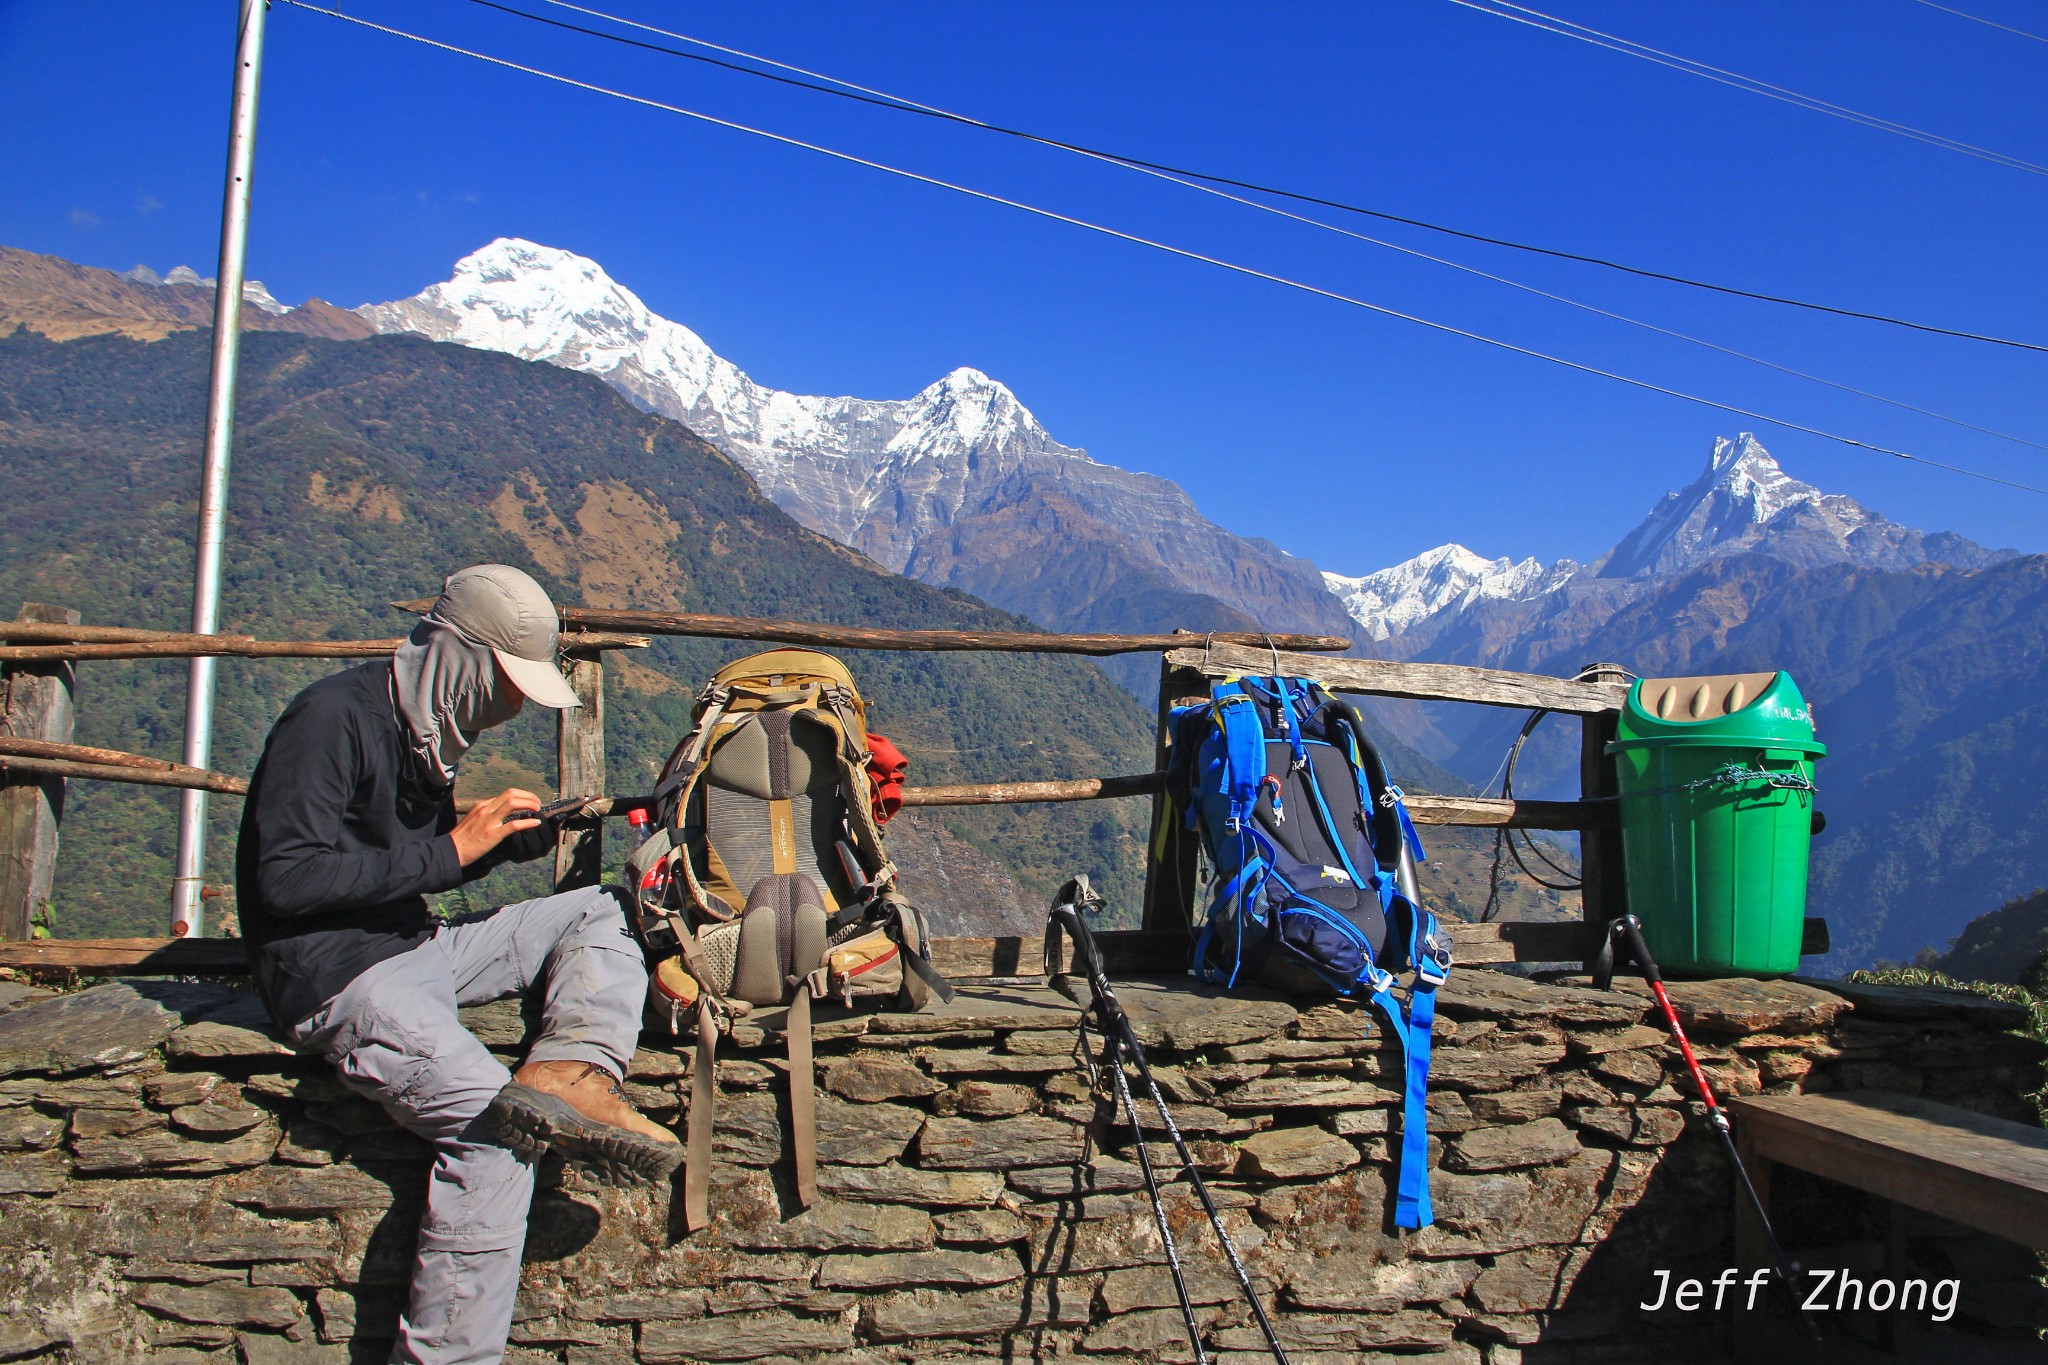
364	471
2008	944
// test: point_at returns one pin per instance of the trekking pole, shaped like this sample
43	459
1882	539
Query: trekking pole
1113	1060
1627	931
1115	1024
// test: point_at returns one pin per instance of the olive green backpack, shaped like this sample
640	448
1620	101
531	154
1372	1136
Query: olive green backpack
764	882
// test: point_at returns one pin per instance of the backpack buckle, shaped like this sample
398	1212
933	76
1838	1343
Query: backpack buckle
1433	964
1392	796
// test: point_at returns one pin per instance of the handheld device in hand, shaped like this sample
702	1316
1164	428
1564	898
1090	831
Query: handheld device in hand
552	811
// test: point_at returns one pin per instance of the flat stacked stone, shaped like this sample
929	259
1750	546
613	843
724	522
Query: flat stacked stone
181	1187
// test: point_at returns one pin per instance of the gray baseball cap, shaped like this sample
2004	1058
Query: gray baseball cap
502	607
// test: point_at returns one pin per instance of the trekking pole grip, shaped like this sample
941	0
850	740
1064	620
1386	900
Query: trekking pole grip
1632	930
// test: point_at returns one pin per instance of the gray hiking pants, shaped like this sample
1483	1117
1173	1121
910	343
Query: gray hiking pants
393	1035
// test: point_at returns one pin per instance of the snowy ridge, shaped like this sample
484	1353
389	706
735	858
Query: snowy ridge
1391	601
828	460
1741	501
253	292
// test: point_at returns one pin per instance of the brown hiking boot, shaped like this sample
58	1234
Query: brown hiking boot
579	1110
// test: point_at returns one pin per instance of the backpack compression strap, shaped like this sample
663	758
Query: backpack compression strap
803	1095
1430	951
697	1136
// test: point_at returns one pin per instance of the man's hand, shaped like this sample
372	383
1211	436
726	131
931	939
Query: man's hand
489	822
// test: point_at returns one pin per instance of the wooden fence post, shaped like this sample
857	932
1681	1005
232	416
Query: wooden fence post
1170	856
38	705
579	763
1602	877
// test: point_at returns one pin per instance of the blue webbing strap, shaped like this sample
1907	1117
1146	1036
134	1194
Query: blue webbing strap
1394	796
1411	1198
1291	720
1244	751
1411	1194
1430	956
1242	886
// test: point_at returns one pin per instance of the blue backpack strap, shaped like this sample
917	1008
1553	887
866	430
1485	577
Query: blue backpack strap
1244	885
1393	796
1291	719
1430	951
1236	717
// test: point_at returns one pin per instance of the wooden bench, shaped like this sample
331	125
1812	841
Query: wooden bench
1985	1173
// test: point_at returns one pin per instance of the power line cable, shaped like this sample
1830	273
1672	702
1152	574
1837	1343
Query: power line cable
1250	272
1565	28
880	99
1988	23
898	101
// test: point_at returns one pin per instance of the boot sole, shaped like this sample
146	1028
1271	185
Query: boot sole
528	1122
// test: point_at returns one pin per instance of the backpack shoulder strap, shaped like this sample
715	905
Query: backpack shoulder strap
1236	717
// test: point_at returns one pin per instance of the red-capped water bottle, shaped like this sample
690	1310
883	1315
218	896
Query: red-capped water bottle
641	824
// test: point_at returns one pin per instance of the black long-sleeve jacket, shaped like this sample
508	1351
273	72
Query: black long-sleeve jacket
341	844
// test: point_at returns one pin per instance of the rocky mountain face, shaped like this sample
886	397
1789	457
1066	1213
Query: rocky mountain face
958	485
1745	502
60	300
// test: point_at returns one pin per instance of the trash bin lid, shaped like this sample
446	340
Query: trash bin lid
1740	708
1703	698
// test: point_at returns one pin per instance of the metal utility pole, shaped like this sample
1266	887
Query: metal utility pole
187	884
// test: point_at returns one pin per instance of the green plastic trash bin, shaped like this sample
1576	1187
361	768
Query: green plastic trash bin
1716	780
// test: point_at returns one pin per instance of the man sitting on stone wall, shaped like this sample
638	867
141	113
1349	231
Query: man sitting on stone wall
349	823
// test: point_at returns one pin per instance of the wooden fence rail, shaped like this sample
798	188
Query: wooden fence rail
112	765
248	647
1418	682
819	635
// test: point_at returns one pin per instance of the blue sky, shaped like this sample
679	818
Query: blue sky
1354	439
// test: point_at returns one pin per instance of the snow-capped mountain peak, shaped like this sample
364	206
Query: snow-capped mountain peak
965	411
1753	482
543	303
1744	503
836	463
1391	601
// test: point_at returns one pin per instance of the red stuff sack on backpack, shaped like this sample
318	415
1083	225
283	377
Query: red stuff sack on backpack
887	768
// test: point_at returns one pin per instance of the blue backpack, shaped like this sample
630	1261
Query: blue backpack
1315	884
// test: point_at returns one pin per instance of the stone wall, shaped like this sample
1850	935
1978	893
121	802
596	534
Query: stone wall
174	1185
